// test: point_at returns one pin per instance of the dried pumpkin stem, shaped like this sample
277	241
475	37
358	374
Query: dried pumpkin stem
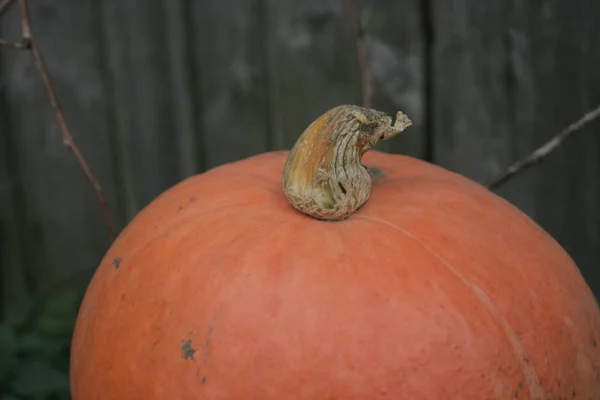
323	175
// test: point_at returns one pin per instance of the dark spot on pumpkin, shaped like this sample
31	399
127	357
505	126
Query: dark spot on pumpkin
180	208
187	351
192	199
594	343
342	188
203	379
116	262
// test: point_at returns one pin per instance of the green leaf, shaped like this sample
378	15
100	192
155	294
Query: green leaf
31	343
44	346
8	397
8	349
36	377
59	313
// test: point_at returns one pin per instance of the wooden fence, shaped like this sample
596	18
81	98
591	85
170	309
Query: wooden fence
158	90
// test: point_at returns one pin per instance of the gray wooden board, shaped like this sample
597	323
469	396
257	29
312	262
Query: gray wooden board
139	74
507	76
227	44
395	36
60	226
312	64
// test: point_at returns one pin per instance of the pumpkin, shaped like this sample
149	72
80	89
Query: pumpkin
396	279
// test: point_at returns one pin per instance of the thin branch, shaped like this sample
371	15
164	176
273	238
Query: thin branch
22	45
4	5
541	153
365	72
29	42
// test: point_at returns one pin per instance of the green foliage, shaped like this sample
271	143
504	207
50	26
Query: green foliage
34	353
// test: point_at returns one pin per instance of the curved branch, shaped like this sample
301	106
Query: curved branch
544	151
28	42
4	5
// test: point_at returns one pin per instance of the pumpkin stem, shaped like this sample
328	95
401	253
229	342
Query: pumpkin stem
323	175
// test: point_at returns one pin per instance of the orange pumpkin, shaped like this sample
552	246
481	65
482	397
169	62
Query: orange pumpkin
422	285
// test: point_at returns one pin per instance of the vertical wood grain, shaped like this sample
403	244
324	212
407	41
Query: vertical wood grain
396	40
137	50
179	30
312	63
227	48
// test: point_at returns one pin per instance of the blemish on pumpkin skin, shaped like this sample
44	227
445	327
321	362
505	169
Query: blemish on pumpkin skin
209	338
192	199
206	348
187	351
203	379
518	391
116	262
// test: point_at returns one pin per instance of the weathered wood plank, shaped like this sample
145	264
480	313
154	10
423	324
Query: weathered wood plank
60	224
14	289
227	46
508	76
396	41
179	24
314	65
139	76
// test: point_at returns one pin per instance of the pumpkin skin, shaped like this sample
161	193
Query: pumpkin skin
435	289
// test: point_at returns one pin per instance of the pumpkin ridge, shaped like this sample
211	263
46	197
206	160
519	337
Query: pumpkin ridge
528	370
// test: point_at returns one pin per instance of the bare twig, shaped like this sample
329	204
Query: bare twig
29	42
4	5
22	45
538	155
365	72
